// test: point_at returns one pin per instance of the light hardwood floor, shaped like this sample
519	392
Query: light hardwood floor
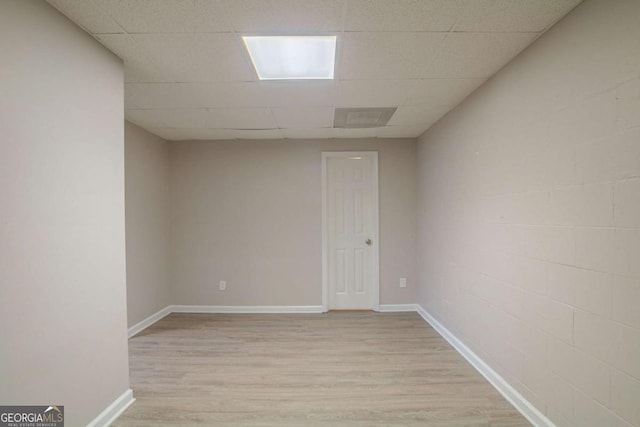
334	369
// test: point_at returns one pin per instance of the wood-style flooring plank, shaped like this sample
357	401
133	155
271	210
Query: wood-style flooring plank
334	369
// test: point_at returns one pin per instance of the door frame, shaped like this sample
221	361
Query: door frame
373	155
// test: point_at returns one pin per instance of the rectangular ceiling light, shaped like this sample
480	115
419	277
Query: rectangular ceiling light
292	57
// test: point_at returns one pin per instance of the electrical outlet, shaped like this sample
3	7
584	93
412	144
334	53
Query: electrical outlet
223	285
403	282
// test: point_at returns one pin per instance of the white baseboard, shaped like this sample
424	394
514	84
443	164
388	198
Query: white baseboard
532	414
114	410
246	309
149	321
394	308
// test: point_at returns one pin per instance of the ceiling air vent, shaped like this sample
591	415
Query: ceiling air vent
359	118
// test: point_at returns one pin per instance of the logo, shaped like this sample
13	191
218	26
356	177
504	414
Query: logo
32	416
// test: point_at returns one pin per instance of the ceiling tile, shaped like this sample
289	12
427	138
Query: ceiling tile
402	15
417	115
88	15
305	117
440	91
168	16
202	118
308	133
372	93
286	93
512	15
142	118
401	131
175	118
388	55
120	44
476	55
138	65
205	134
231	94
285	16
198	57
245	118
142	70
178	95
129	103
355	133
170	134
173	134
258	134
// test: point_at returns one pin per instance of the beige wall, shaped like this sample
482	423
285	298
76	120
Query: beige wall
529	219
147	220
249	212
62	245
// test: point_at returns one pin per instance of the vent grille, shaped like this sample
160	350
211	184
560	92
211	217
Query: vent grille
360	118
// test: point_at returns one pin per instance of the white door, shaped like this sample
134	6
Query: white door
350	251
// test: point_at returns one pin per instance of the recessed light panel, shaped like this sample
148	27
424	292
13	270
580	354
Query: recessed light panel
292	57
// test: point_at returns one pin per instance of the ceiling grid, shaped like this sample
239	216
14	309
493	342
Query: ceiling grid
188	75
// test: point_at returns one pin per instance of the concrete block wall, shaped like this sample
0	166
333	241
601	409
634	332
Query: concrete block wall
529	219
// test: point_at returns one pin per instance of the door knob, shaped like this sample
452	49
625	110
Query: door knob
368	242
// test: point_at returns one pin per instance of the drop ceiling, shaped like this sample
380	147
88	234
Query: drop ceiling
188	75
